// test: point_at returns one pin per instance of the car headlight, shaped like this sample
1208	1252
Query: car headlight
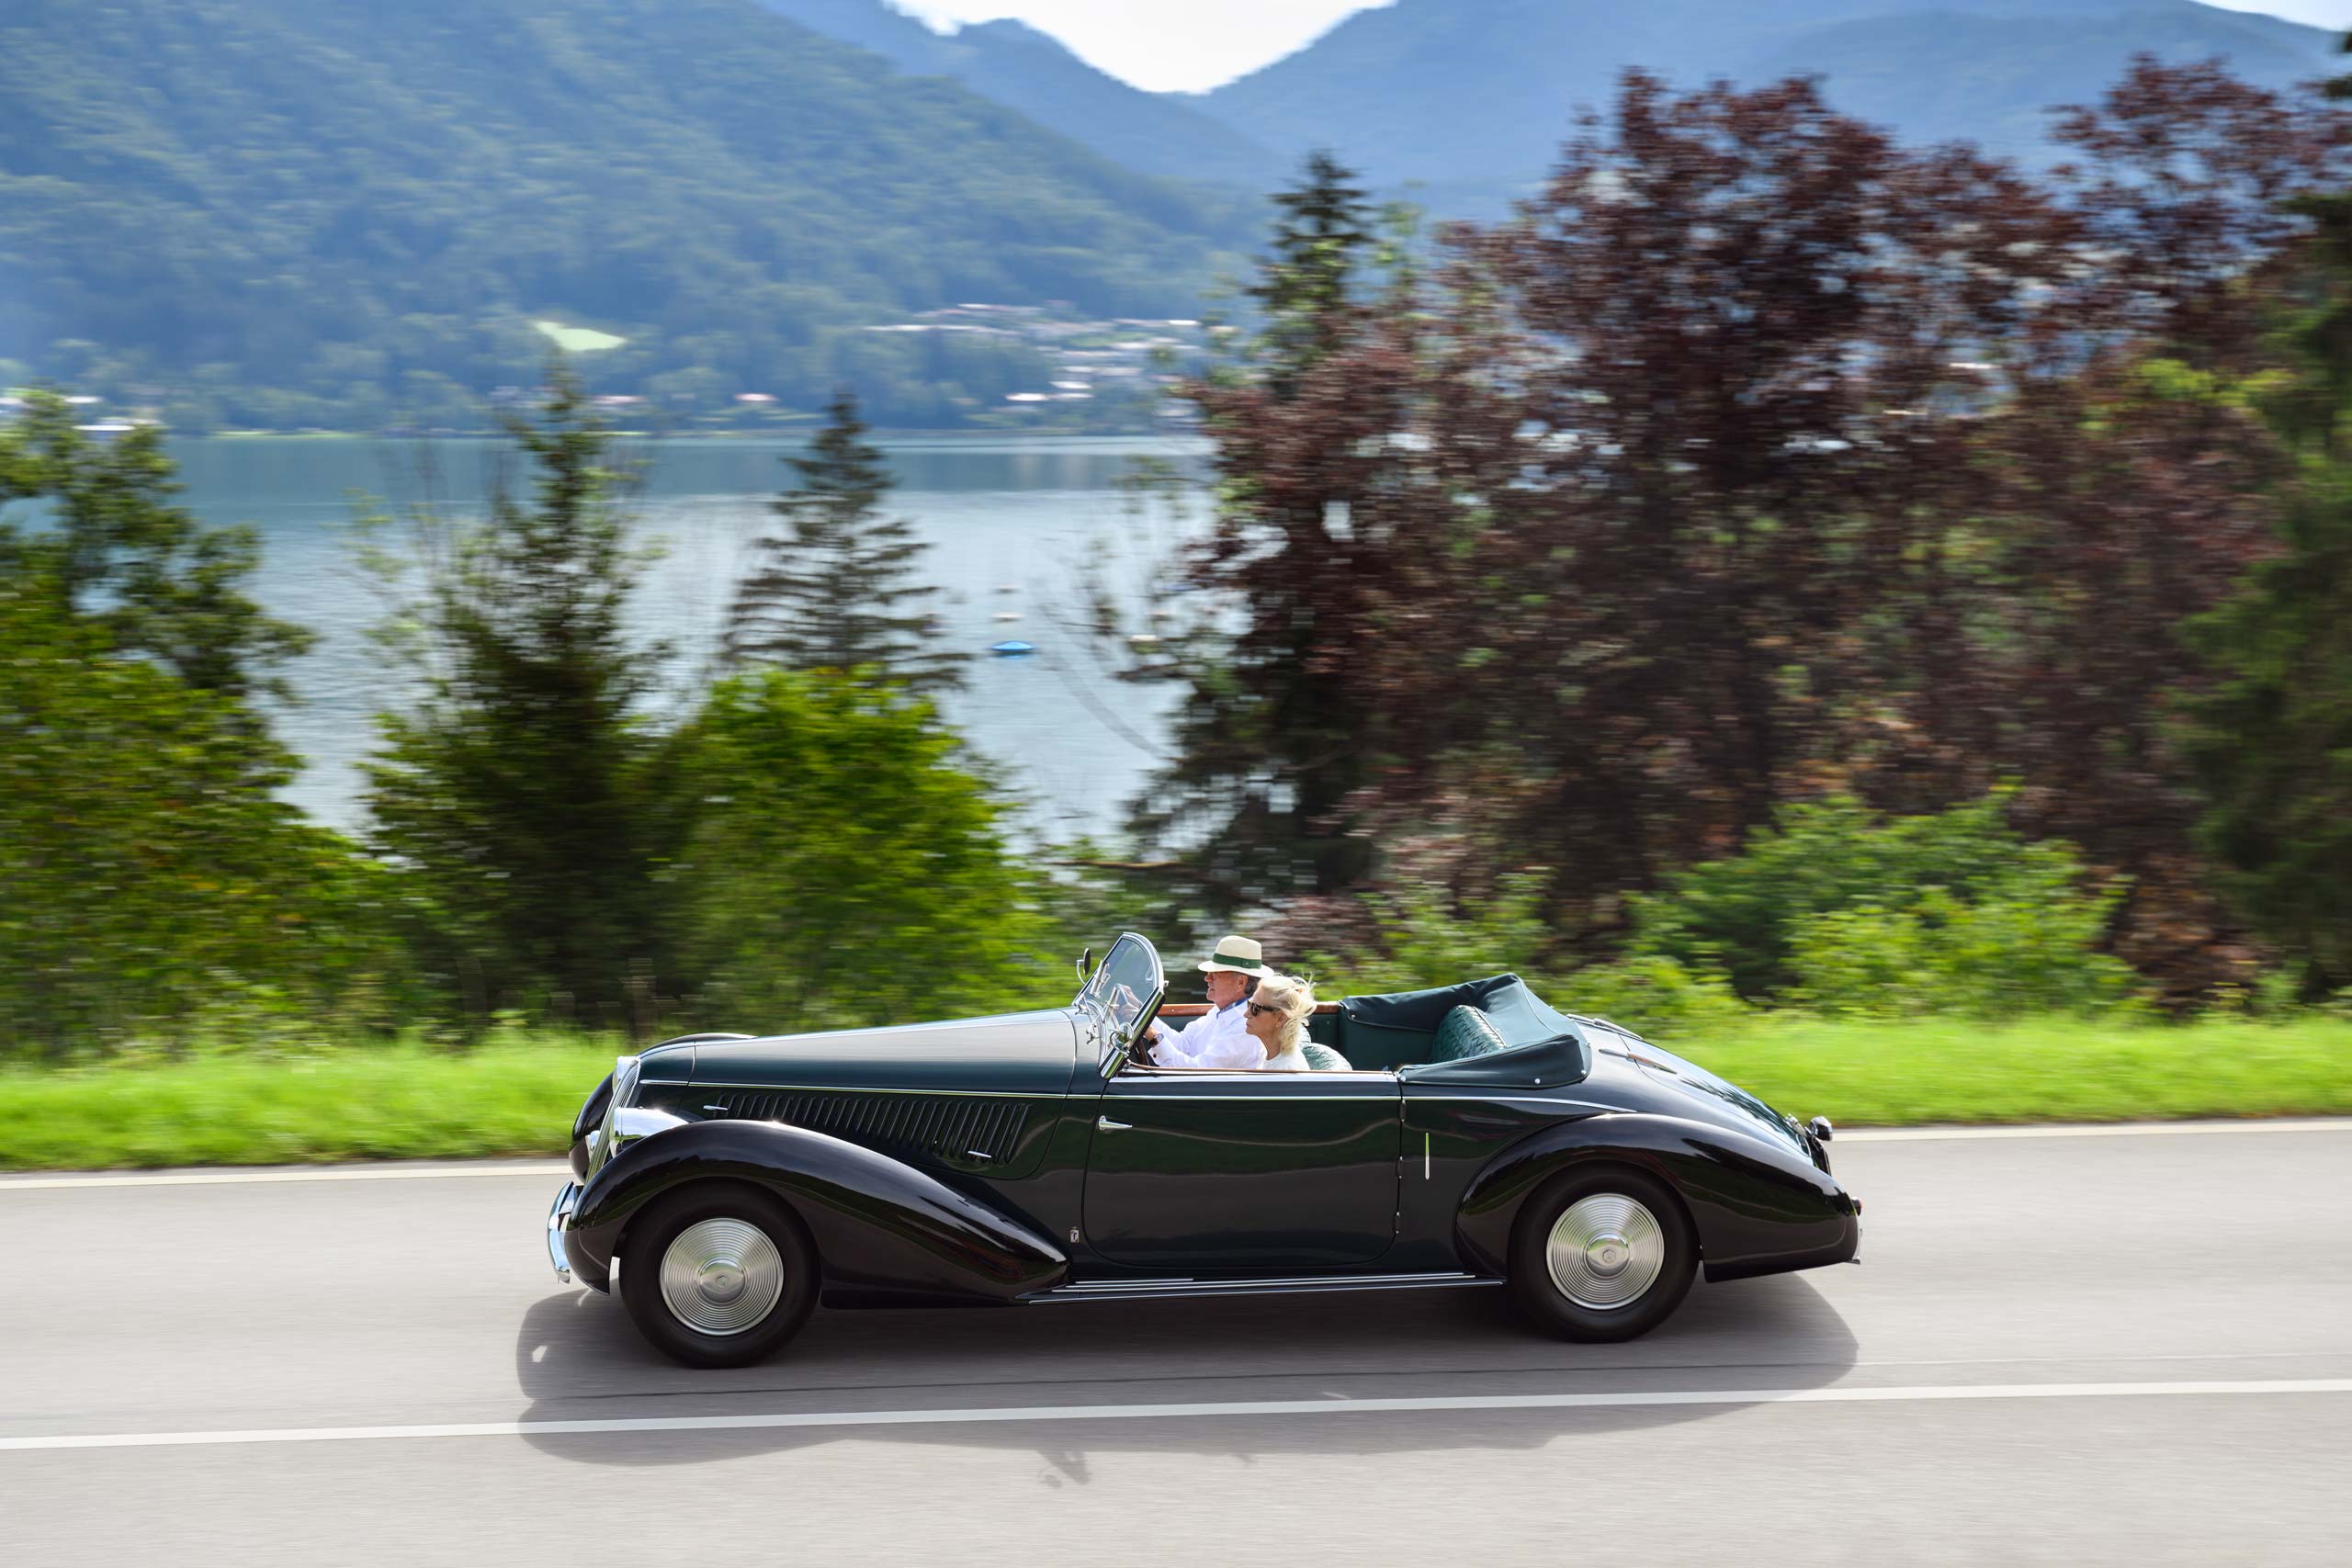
602	1144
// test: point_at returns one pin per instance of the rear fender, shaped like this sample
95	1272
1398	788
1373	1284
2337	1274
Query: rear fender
881	1227
1757	1209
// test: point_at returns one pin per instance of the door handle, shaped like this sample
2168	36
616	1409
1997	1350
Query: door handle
1104	1124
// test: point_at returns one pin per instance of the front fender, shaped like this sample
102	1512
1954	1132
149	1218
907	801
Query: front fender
1758	1209
882	1228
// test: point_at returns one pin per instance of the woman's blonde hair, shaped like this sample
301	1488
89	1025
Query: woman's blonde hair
1294	995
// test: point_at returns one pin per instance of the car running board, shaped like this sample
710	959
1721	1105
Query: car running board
1157	1290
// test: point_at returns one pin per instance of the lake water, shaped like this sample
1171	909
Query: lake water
1012	526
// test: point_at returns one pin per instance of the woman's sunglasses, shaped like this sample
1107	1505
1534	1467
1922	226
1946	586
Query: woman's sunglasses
1257	1008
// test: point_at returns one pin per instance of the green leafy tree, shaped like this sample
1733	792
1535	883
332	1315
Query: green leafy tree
836	588
113	552
2272	744
845	867
522	789
157	893
1834	906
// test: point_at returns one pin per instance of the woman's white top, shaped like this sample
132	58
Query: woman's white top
1291	1061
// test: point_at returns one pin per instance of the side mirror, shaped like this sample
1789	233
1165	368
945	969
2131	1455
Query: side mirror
1085	965
1820	1128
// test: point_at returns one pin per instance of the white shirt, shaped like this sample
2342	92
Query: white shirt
1291	1061
1213	1040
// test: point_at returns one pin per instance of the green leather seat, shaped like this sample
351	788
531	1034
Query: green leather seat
1323	1059
1466	1031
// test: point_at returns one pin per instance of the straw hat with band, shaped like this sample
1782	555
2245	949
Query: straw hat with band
1236	954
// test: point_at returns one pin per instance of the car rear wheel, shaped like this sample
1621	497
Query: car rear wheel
718	1275
1602	1255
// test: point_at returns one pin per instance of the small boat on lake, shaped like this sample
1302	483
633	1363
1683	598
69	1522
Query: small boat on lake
1012	648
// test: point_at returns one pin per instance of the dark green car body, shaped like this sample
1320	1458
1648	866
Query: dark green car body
1031	1157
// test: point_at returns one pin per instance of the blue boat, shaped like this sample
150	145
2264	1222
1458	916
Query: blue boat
1012	648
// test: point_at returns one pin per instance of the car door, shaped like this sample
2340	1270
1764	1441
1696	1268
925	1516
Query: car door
1198	1172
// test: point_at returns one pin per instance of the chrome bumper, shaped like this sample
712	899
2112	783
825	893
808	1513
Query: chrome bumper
559	1221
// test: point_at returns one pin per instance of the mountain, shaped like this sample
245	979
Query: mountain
1472	97
338	212
1034	72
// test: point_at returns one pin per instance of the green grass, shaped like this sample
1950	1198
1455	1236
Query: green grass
1896	1072
362	1103
403	1102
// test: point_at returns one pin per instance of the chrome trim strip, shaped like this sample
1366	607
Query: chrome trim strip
1153	1289
860	1089
1329	1098
559	1221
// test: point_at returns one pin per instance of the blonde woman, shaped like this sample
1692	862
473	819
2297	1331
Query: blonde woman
1276	1019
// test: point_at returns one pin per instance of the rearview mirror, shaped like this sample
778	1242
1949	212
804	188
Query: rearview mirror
1085	965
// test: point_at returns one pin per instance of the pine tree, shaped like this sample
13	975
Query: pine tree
835	590
2273	743
521	788
1271	726
1304	285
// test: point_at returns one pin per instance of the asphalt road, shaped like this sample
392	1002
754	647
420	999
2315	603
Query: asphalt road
2058	1349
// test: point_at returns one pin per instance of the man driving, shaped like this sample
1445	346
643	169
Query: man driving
1218	1038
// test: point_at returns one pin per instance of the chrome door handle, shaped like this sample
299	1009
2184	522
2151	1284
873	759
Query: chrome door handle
1104	1124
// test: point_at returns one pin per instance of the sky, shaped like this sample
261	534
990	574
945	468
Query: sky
1190	45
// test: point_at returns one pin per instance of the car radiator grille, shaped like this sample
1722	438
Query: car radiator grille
954	1129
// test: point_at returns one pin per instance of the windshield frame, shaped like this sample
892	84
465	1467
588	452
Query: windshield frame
1093	997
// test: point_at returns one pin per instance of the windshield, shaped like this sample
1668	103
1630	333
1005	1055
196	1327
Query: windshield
1125	985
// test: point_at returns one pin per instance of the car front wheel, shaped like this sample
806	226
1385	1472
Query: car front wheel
718	1275
1602	1255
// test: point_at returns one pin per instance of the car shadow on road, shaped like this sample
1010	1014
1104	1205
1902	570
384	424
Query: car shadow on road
578	1358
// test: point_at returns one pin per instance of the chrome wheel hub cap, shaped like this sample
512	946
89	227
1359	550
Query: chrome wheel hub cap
721	1277
1605	1251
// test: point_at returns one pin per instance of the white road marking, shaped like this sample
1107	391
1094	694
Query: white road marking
559	1169
2095	1130
1327	1406
542	1170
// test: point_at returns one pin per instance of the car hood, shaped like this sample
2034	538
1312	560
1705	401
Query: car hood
1017	1053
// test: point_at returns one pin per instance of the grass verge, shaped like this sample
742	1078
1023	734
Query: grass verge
392	1102
1902	1072
406	1102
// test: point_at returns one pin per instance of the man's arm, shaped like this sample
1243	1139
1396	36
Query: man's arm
1173	1047
1230	1051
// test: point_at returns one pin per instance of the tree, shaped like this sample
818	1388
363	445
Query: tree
1304	287
522	790
828	592
156	885
116	555
2272	742
1736	320
844	867
1271	727
1757	458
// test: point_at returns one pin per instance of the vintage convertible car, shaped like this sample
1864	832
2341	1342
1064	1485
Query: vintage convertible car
1460	1136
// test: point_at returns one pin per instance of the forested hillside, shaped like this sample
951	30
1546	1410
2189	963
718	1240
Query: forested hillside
320	211
1156	133
1472	97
